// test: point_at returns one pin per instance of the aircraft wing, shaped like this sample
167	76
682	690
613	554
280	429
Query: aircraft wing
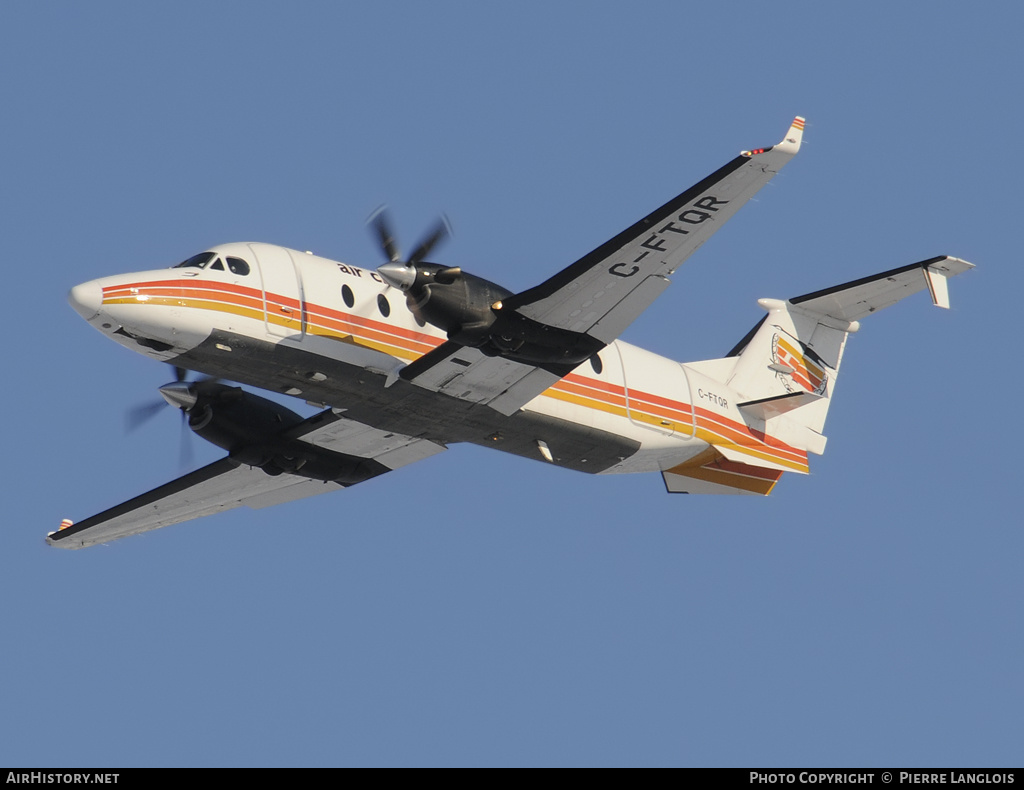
589	304
605	290
228	483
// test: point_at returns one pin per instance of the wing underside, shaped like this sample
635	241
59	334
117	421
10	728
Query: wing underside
227	484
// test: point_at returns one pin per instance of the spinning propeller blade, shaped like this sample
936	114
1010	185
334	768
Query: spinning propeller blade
396	272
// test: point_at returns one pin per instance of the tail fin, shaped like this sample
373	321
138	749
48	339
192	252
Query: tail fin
784	371
789	366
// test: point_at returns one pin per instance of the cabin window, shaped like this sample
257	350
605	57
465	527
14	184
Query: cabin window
347	296
383	306
197	261
596	364
238	266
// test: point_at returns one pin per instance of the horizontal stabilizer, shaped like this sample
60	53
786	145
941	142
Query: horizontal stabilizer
711	473
786	367
794	460
853	301
766	408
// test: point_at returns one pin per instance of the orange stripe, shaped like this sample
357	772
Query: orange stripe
748	470
743	432
586	403
235	297
759	453
719	477
720	471
419	337
191	284
350	327
595	383
683	410
410	344
590	392
384	348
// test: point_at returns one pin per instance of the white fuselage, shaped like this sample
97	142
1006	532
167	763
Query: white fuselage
337	335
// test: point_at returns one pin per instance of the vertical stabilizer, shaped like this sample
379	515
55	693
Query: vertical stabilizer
790	365
786	368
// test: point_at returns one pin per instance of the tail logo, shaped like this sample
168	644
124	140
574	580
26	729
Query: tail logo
808	369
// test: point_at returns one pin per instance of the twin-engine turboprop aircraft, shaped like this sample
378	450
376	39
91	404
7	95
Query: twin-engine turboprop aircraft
414	356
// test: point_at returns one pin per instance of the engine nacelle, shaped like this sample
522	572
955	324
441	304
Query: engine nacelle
458	302
234	419
257	432
469	309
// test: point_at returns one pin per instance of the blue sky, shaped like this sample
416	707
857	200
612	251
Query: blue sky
480	609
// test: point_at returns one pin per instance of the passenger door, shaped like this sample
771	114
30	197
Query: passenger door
283	304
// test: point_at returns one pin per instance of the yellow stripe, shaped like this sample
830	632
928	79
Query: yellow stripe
636	416
660	422
585	402
219	307
317	330
710	438
729	479
362	342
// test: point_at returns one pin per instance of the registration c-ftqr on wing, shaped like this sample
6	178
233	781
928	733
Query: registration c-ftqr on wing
416	356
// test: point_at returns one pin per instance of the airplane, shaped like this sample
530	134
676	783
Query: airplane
411	357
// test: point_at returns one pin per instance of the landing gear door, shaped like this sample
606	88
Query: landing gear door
283	306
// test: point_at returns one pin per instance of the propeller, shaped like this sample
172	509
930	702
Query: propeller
137	416
180	394
459	303
402	274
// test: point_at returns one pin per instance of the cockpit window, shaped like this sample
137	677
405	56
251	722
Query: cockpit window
197	261
238	266
218	265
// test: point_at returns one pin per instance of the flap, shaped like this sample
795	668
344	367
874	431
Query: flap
468	374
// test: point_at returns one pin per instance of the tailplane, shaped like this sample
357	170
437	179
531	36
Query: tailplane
785	369
788	366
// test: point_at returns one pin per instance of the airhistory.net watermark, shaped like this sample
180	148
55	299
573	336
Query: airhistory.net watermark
47	778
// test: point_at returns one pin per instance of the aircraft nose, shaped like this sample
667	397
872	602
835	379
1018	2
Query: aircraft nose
86	299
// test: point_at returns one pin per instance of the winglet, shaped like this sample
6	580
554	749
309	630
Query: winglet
790	143
937	272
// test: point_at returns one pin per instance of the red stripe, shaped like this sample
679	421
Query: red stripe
242	296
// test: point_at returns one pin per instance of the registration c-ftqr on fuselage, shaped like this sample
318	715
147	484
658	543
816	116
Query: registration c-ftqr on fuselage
415	356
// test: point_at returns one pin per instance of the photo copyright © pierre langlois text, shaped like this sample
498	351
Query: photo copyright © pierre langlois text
884	777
